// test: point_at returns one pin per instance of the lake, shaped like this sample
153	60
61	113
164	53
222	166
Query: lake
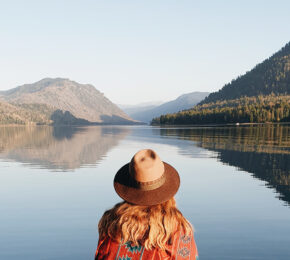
55	184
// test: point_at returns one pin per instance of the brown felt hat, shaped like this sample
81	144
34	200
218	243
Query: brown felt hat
146	180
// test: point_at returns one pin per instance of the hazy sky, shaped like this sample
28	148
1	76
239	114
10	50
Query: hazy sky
139	51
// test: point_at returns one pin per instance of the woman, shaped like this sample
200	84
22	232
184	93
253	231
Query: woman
147	225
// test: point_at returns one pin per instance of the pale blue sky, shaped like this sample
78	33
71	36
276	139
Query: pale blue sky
139	51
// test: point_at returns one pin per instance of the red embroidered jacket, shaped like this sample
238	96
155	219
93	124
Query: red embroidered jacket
182	247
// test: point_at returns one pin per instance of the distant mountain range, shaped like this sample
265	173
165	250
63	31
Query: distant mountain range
139	108
147	112
261	95
59	101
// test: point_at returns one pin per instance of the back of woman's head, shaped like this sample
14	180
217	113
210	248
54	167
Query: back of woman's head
151	226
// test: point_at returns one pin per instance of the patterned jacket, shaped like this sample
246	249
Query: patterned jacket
182	247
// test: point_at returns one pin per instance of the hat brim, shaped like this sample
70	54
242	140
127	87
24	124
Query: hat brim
125	188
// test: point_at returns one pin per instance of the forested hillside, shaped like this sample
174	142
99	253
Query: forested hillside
25	114
261	95
259	109
270	76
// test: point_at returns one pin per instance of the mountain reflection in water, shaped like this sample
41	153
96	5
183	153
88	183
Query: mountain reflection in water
263	150
58	148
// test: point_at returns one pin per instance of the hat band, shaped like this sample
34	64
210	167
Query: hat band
150	185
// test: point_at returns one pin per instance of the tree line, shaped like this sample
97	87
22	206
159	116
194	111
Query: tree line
261	109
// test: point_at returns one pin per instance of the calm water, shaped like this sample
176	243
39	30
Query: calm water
55	183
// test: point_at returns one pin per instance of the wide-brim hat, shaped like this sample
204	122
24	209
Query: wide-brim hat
146	180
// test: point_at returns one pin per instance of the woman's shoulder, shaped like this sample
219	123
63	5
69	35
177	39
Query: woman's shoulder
182	246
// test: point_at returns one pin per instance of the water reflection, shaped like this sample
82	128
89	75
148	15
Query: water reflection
263	151
58	148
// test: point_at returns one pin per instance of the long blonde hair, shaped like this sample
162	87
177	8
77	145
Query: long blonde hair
150	226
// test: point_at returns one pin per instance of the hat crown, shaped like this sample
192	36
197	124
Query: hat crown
146	166
146	180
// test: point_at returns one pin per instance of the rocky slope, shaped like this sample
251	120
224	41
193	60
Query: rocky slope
59	100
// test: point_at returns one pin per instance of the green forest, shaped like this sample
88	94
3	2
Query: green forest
259	96
270	76
261	109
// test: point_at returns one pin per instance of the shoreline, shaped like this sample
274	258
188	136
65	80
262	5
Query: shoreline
63	125
164	125
223	125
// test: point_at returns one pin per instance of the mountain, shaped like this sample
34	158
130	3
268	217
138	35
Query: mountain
261	95
59	101
133	109
185	101
270	76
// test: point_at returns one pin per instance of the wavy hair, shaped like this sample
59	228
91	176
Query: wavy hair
150	226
